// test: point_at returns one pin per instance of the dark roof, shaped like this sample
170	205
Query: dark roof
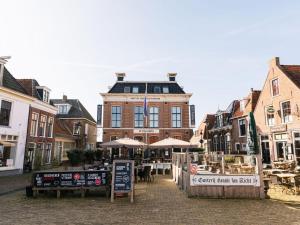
293	72
174	88
10	82
30	86
77	110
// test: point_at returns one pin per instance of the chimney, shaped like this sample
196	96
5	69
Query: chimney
172	76
120	76
3	60
274	62
251	90
65	98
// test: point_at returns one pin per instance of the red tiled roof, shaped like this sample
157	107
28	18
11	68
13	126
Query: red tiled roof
62	130
293	72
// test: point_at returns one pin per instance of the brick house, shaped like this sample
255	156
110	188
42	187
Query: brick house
278	113
219	135
167	109
202	131
76	127
240	124
40	138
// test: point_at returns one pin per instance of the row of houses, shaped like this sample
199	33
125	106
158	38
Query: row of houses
276	108
35	130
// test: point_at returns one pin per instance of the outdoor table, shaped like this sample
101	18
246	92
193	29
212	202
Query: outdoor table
157	166
268	172
285	179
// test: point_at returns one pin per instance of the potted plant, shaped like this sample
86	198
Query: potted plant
75	157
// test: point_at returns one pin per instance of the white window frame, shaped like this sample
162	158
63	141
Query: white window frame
153	114
240	127
45	150
50	118
266	117
79	131
45	127
134	113
135	89
111	114
36	126
281	111
166	90
271	87
176	117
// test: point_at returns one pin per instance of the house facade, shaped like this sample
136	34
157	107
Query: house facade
278	113
240	122
76	127
14	111
219	136
166	105
39	149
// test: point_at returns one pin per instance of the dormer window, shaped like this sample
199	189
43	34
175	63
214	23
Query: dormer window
126	89
165	90
156	89
44	93
63	109
135	90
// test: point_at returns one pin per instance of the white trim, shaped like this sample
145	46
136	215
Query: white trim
271	87
10	113
111	113
131	128
176	113
266	116
281	111
36	126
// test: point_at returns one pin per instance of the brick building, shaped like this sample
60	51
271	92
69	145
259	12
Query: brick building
219	135
278	113
240	123
167	109
40	138
76	128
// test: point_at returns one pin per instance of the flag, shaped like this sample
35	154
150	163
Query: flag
145	107
252	143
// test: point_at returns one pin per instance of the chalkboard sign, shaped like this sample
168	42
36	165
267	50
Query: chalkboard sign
123	175
72	179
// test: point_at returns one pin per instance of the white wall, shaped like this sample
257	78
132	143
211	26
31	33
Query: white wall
18	125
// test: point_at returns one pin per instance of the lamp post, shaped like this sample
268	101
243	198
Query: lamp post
201	139
76	133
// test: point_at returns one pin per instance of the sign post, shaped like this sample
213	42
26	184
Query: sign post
122	178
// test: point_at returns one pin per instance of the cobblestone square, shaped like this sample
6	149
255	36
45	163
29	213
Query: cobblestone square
159	202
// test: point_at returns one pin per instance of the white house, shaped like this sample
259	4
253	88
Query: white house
14	109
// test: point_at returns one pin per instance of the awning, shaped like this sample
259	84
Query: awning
123	142
7	144
173	143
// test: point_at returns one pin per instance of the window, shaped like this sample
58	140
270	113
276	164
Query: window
286	112
153	117
135	90
275	87
227	142
116	116
42	126
86	129
216	143
112	138
297	147
5	113
176	117
270	119
77	128
138	117
47	154
46	96
242	127
165	90
244	146
63	109
126	89
156	89
50	127
219	120
34	124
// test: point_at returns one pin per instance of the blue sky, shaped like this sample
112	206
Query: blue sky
220	49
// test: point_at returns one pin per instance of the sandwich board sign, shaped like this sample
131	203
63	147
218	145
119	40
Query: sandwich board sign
122	178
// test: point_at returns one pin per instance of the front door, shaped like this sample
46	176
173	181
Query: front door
265	152
281	149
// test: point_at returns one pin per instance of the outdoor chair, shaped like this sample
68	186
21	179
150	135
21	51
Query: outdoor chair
275	182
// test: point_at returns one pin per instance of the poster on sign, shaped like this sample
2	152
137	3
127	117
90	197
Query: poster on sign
122	178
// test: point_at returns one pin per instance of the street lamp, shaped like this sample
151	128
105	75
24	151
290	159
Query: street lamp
201	139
